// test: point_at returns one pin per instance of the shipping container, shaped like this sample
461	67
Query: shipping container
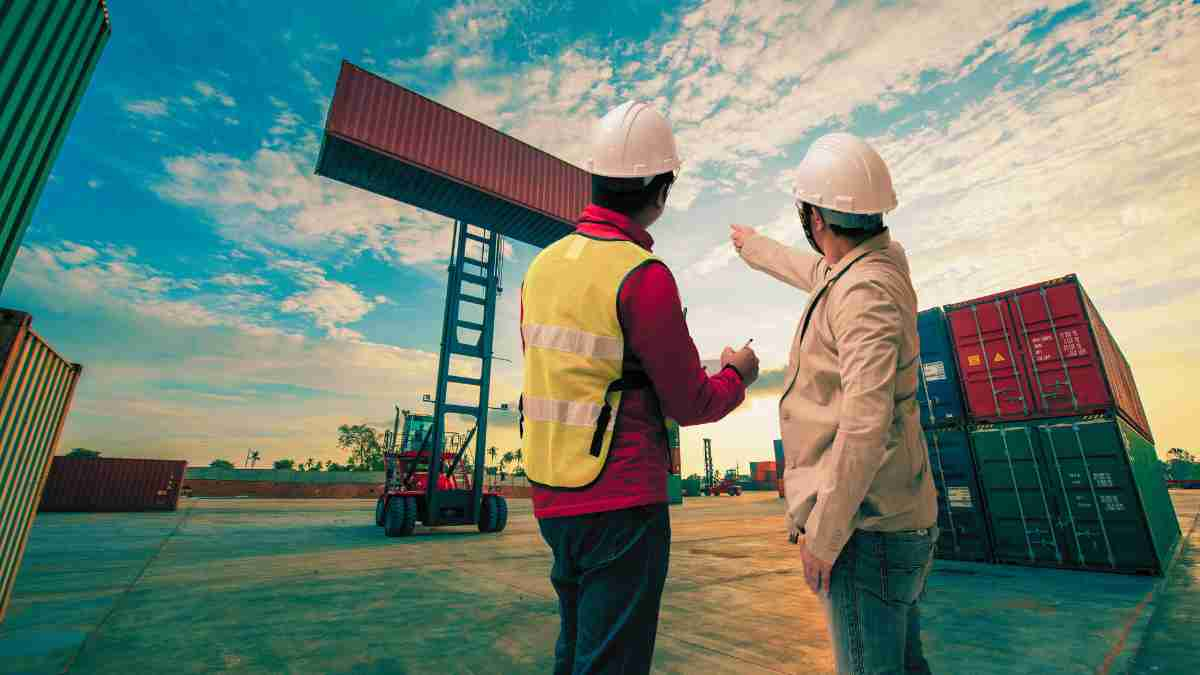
36	389
50	51
674	489
779	465
1084	492
96	484
939	391
673	444
384	138
1041	351
962	515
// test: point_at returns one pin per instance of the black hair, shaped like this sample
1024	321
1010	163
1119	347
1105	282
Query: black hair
628	196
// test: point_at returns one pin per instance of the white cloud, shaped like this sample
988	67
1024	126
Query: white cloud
209	92
285	123
232	121
239	280
95	183
147	107
330	304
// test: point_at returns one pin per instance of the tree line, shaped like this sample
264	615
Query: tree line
365	445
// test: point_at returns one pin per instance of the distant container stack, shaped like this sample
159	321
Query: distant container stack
1059	444
100	484
779	466
36	389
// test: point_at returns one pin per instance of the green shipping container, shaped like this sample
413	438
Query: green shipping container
691	487
50	50
674	489
1082	492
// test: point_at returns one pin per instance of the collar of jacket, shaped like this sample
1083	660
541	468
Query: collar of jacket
879	242
595	220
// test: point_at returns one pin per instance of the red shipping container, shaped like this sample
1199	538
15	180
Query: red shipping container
390	140
109	484
1041	351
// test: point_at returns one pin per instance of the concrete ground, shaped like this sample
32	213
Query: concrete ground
311	586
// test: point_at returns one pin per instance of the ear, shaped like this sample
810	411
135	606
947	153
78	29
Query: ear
818	222
660	200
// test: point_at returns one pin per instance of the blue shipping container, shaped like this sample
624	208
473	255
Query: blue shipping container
779	459
938	392
961	513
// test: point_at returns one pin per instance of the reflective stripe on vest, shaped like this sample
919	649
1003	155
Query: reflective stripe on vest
574	354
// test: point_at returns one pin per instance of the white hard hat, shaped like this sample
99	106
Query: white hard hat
633	141
841	172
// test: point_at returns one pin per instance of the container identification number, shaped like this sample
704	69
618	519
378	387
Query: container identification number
1070	345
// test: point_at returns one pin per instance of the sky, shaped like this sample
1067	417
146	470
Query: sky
222	297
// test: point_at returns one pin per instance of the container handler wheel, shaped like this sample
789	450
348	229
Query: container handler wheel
380	513
401	516
494	515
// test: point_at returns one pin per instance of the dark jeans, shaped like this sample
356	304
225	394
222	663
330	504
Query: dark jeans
874	616
609	570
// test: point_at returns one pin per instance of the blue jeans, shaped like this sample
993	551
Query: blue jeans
609	571
873	603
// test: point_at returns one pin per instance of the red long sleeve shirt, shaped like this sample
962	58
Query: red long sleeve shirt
656	339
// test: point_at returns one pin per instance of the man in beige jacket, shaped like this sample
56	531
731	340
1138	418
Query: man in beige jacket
860	496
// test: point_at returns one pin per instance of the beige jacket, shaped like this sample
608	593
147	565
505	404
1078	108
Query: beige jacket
854	452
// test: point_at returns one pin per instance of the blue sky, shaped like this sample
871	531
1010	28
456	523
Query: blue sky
221	296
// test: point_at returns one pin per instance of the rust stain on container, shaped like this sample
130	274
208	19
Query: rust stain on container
392	141
113	484
36	388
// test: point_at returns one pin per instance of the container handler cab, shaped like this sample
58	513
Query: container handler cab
408	492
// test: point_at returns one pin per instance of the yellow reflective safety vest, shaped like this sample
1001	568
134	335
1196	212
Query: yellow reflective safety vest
574	353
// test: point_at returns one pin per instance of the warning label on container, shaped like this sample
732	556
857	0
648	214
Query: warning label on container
974	360
935	371
1102	479
998	358
959	497
1112	502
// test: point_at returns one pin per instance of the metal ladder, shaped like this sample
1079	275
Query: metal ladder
474	279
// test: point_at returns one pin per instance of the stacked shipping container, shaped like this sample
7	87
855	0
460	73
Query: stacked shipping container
961	518
1058	439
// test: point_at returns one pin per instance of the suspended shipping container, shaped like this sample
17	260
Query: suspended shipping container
962	517
939	391
392	141
50	50
92	484
36	388
1084	492
1041	351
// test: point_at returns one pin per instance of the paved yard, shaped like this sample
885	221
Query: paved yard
311	586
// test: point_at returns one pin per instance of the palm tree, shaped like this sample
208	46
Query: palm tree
508	458
520	457
492	452
254	457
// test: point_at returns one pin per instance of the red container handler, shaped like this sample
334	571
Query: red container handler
94	484
1041	351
